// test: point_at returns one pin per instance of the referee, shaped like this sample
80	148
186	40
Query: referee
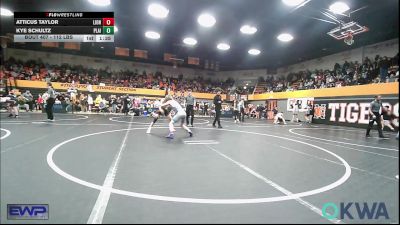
190	102
50	102
375	116
218	107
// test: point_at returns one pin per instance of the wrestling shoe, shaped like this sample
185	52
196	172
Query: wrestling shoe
170	136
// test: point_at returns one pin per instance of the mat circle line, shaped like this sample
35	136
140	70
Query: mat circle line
119	121
6	135
28	121
340	142
328	187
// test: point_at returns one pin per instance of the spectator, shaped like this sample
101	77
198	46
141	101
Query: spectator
22	103
90	102
40	102
29	99
384	65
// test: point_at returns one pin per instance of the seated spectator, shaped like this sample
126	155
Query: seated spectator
345	74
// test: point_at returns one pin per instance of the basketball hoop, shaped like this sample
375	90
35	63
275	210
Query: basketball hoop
347	30
349	38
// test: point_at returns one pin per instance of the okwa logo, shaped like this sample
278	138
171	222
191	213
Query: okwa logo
376	210
319	111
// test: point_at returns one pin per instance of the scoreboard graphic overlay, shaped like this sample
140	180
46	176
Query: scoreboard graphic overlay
64	26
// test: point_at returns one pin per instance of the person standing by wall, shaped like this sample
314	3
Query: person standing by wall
40	102
113	103
125	103
190	102
90	102
310	113
218	108
50	102
375	116
205	109
84	102
236	111
295	111
241	110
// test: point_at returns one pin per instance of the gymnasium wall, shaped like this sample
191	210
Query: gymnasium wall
101	63
343	111
345	106
242	77
350	111
387	48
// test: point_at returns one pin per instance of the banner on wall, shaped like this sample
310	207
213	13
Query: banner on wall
137	53
105	89
72	45
301	102
50	44
349	111
193	61
121	51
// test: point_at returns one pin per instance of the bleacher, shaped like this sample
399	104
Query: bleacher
261	87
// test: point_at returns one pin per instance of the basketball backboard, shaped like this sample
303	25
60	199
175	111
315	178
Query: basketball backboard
343	30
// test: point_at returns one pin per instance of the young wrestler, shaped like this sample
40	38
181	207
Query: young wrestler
166	111
180	115
279	119
388	119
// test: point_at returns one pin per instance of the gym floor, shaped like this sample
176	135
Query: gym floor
106	169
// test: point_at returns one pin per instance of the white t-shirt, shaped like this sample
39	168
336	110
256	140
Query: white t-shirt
177	107
295	108
241	104
90	100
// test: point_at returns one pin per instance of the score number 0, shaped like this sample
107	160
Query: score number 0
108	21
108	24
